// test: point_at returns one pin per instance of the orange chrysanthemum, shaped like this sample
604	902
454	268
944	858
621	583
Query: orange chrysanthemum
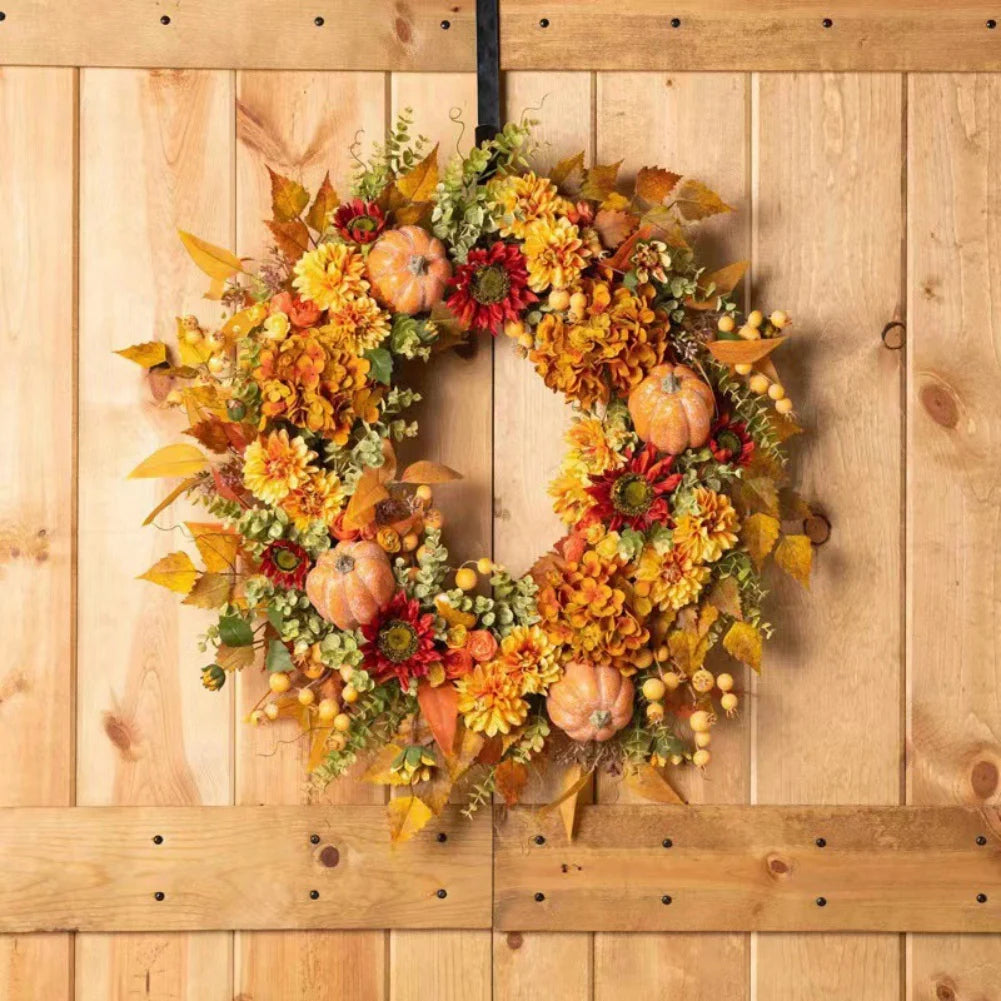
675	580
490	699
329	274
711	531
554	254
524	199
319	498
275	465
355	324
528	655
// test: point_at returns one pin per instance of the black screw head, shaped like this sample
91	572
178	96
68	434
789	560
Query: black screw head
992	24
666	899
314	894
981	898
442	837
442	894
821	901
821	842
675	22
827	23
164	19
3	16
667	843
318	21
314	839
981	840
445	25
539	897
159	895
544	22
157	839
539	839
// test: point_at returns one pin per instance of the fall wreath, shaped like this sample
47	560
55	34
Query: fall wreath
325	560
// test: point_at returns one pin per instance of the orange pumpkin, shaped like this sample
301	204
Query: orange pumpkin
408	269
672	408
590	703
351	584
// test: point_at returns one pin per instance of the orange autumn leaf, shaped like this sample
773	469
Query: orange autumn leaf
654	184
568	174
614	225
696	201
292	238
744	352
599	181
510	778
318	747
758	534
650	783
440	707
369	491
721	282
218	546
324	204
147	354
429	472
288	197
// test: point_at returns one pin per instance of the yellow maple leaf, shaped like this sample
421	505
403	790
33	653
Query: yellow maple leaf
217	263
418	184
696	201
324	204
147	354
759	533
175	572
211	590
218	547
171	460
407	816
599	182
794	554
288	197
743	643
380	770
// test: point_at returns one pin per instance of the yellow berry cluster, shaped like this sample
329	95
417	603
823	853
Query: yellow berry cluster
759	382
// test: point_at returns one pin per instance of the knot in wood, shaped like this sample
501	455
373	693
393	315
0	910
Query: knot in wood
329	856
984	778
778	867
941	404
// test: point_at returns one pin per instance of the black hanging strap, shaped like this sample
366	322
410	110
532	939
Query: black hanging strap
488	95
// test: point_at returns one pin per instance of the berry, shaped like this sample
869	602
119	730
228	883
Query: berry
485	566
217	364
466	578
327	710
410	542
783	406
728	702
337	742
726	324
749	333
699	721
350	694
279	682
755	319
342	721
759	383
643	659
306	696
776	391
703	738
724	682
779	319
655	712
654	689
703	681
701	758
672	680
271	710
559	299
423	492
743	368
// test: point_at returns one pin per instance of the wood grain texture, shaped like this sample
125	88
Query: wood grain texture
301	125
953	487
653	118
827	248
750	868
156	154
99	868
38	489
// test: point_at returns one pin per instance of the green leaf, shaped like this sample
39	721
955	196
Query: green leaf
235	631
276	618
278	658
382	365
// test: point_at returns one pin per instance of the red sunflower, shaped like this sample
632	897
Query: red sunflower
491	288
285	563
400	642
359	222
636	495
730	442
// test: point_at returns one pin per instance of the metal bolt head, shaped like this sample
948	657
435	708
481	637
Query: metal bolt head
445	25
157	839
318	21
442	894
539	839
159	895
3	16
821	901
544	22
314	894
539	897
442	837
981	840
821	842
667	843
827	23
675	22
992	24
314	839
981	898
164	19
666	899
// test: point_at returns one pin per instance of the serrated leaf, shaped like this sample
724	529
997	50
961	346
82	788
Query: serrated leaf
407	816
759	533
369	491
510	777
725	595
180	489
147	354
278	658
650	783
234	658
741	351
218	547
568	174
171	460
211	590
440	708
696	201
381	362
794	554
234	630
722	282
429	472
216	435
217	263
599	181
743	643
614	225
318	747
757	494
288	197
291	238
419	183
174	571
654	184
324	205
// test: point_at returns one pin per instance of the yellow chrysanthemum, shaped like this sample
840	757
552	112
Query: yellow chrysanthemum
490	699
709	533
319	498
571	501
276	465
590	445
527	654
524	199
674	579
356	324
329	274
554	254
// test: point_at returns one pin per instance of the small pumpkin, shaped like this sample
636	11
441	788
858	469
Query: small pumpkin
409	269
589	702
351	584
672	408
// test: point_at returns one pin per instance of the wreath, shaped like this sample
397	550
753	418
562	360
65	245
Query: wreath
325	560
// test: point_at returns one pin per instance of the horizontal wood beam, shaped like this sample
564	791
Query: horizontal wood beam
438	35
744	868
199	868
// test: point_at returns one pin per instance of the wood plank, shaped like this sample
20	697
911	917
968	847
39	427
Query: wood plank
302	125
455	428
100	868
38	490
529	422
661	119
953	497
827	242
751	868
156	154
713	35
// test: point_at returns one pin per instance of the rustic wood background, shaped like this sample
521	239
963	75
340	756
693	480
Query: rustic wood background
861	197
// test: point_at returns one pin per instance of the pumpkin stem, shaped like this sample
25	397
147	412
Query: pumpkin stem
600	718
418	265
671	383
344	563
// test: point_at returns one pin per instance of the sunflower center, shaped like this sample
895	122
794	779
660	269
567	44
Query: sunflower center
632	495
729	441
363	223
286	560
490	284
398	640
